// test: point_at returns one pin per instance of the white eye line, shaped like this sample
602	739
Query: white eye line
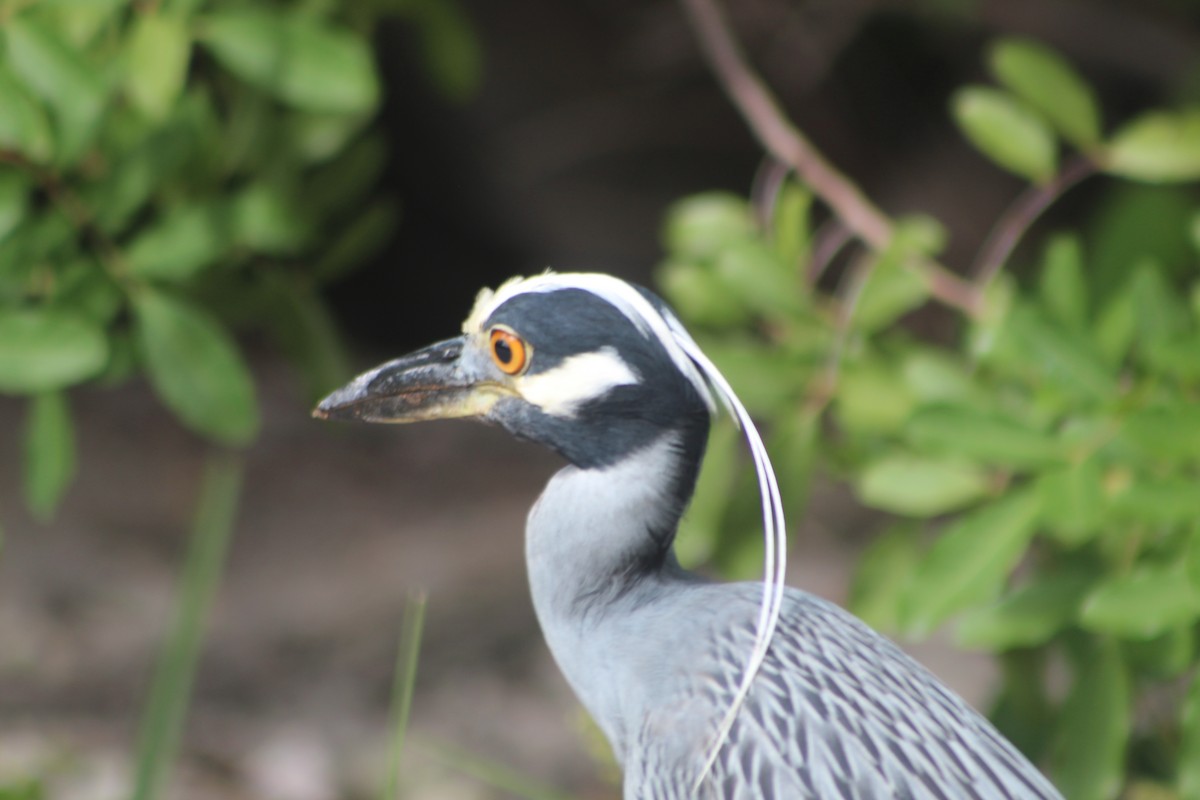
580	378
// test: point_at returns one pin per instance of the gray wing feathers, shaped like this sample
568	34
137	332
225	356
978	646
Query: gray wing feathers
836	712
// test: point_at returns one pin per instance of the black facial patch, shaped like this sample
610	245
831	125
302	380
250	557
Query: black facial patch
568	322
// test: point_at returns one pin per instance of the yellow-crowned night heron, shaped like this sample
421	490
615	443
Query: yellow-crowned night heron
704	689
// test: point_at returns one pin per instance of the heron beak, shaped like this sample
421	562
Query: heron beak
428	384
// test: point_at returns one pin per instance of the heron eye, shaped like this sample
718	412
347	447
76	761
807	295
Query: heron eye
509	351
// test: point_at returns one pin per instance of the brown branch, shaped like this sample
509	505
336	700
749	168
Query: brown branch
785	142
1024	211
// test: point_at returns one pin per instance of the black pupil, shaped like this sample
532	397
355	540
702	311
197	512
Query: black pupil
503	351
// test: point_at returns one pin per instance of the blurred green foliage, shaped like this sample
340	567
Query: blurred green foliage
170	171
1037	473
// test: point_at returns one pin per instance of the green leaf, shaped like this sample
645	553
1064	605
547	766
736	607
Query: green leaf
964	432
933	376
160	47
699	295
1169	434
269	220
43	350
792	223
1072	502
1115	327
1028	616
1157	500
1058	356
890	291
1006	132
1146	602
872	398
56	72
196	368
450	49
970	560
24	127
1063	288
752	272
701	226
882	578
1158	147
1187	780
49	453
921	487
185	241
296	58
1094	726
1044	80
14	201
754	369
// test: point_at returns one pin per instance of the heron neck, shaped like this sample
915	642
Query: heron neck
598	540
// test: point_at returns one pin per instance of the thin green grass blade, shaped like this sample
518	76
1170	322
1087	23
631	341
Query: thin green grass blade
166	708
491	773
402	688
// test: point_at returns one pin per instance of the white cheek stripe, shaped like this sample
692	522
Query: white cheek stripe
575	381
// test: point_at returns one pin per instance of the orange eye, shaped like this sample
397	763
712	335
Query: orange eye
509	351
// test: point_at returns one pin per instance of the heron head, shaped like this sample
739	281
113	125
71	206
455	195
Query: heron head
586	364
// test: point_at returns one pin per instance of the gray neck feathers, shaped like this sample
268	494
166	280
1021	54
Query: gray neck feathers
598	541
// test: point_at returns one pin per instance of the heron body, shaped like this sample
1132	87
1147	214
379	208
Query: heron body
604	374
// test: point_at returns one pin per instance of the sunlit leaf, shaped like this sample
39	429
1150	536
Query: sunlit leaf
56	72
1169	434
182	243
1072	502
871	398
1044	80
991	439
934	377
24	127
791	225
49	453
268	219
1006	132
43	350
160	47
1067	359
1143	603
970	560
196	368
921	487
297	58
1159	146
1062	286
702	225
889	292
1161	500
